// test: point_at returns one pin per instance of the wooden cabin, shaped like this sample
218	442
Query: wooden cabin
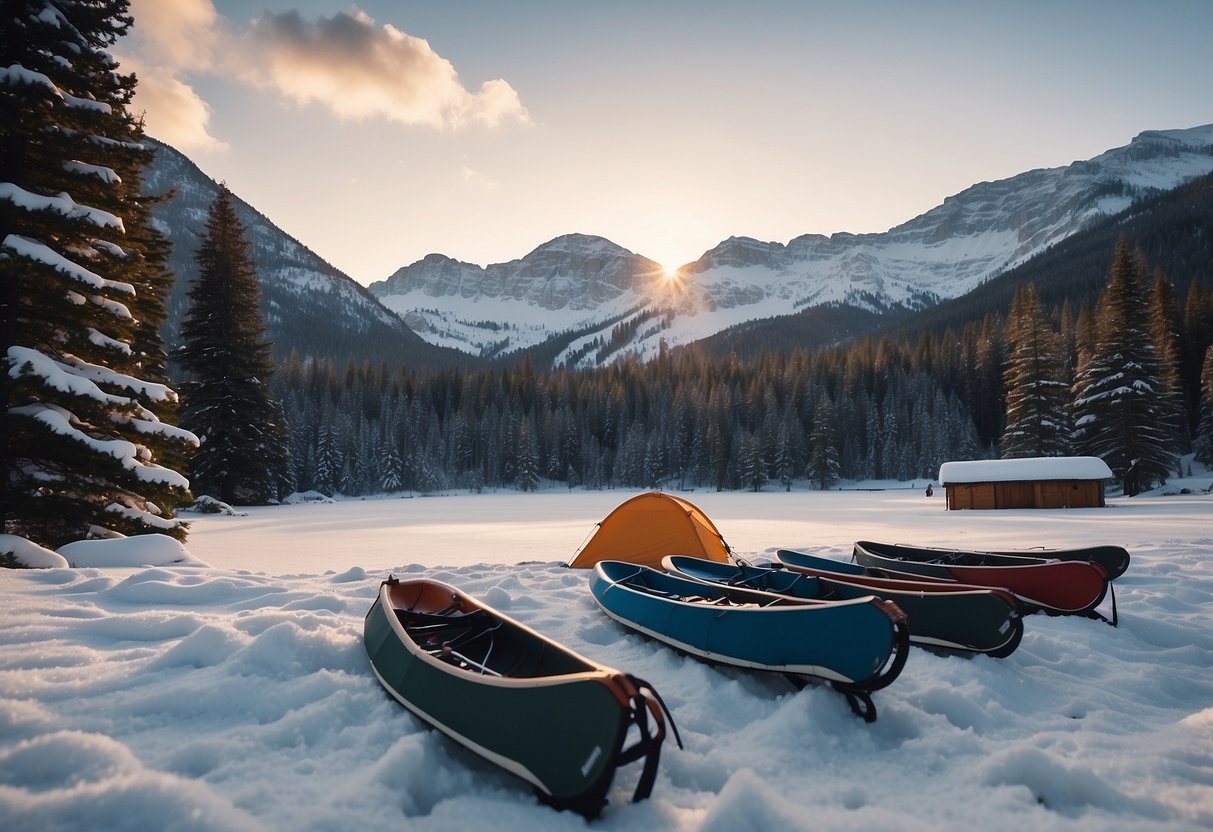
1036	482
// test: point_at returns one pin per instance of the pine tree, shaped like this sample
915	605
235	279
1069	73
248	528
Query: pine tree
823	458
751	469
84	450
1197	338
1037	423
389	468
528	459
1203	444
1117	415
1164	330
227	359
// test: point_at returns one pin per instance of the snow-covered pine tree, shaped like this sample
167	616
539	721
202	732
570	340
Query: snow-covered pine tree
1037	421
1197	338
1118	394
1202	446
1164	329
528	458
823	456
84	450
227	362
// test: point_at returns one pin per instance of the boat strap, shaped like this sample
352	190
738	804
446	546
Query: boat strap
646	703
861	703
1115	620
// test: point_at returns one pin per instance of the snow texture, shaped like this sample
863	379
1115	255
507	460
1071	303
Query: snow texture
61	204
238	696
34	250
129	454
1030	468
106	175
16	74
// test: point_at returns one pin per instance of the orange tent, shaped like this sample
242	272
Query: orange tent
648	527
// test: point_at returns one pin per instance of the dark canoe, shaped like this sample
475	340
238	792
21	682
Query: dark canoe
1064	587
532	706
1113	559
858	646
975	619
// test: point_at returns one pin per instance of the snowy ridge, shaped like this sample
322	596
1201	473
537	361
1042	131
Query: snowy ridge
308	304
943	253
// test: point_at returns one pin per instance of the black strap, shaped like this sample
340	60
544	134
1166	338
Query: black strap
1115	616
861	703
649	744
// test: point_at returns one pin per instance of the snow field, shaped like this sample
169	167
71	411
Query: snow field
216	697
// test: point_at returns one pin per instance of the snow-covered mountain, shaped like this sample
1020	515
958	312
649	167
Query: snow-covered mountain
308	304
586	280
609	302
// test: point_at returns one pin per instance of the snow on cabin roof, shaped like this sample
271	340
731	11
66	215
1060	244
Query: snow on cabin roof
1031	468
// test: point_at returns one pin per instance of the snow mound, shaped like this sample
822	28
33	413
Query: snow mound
307	497
140	550
28	554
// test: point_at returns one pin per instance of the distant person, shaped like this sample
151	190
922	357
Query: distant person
930	490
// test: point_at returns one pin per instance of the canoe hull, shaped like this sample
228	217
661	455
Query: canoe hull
1073	587
974	619
846	642
561	734
1114	560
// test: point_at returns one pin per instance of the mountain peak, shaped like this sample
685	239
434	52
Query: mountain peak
945	252
582	243
1201	136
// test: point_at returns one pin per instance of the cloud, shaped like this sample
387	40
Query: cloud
177	33
168	41
347	63
173	112
358	69
477	178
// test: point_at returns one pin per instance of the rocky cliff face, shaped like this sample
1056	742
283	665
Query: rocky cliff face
572	272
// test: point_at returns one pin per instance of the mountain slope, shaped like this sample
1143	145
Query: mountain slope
308	304
1174	230
945	253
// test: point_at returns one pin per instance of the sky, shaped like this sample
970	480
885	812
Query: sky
380	132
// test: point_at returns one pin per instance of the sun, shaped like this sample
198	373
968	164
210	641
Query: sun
670	272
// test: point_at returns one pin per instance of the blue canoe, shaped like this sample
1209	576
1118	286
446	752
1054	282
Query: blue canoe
858	646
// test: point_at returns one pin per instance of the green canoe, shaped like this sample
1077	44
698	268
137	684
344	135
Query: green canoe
532	706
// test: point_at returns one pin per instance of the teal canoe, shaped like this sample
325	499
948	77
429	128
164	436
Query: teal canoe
857	645
539	710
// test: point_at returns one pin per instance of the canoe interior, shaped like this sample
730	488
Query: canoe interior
456	629
677	588
949	557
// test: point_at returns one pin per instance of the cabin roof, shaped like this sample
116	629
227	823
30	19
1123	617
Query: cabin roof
1025	470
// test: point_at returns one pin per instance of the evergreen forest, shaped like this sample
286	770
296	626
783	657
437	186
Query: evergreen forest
90	437
872	408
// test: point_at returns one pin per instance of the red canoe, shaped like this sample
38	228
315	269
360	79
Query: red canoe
1067	587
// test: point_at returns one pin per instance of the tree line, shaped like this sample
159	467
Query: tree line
1027	384
91	447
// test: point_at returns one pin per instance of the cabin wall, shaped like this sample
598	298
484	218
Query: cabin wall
1040	494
